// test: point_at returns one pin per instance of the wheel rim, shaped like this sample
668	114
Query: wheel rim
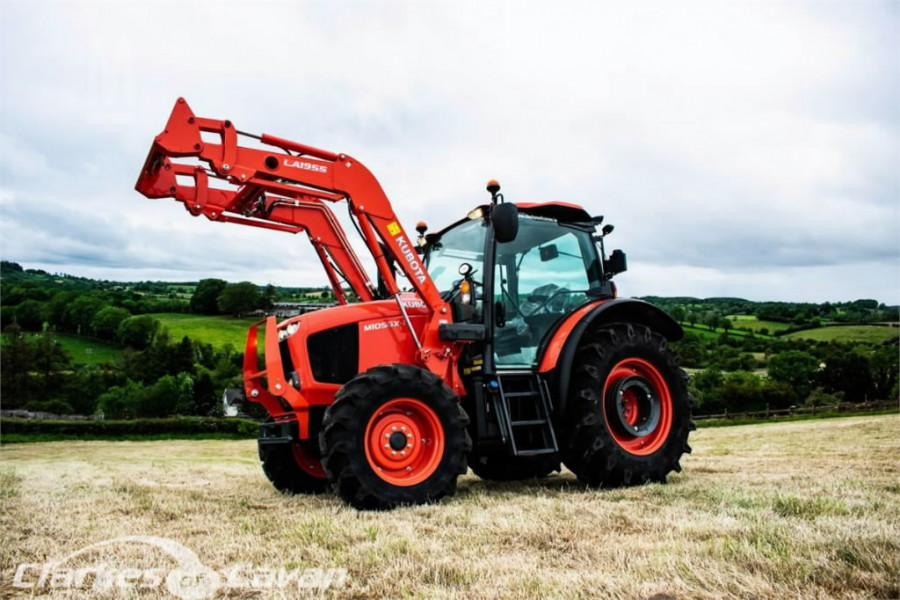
308	463
637	406
404	441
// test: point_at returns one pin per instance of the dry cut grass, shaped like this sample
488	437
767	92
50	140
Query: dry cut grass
789	510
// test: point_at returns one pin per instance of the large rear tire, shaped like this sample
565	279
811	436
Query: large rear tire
514	468
629	411
293	468
395	435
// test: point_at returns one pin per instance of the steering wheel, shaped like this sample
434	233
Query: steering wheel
558	291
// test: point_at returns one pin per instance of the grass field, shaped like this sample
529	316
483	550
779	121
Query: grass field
755	325
870	334
786	510
86	351
217	331
704	332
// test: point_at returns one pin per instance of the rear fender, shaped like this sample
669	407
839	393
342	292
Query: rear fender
559	351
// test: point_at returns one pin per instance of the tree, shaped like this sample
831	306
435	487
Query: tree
80	313
726	324
270	296
848	372
711	320
884	363
8	267
742	391
138	331
30	315
818	397
777	394
692	317
678	313
207	398
18	362
121	402
796	368
704	385
171	394
57	310
690	349
239	298
106	322
7	316
205	299
51	360
85	385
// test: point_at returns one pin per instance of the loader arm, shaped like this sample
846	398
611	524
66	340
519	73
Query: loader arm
286	186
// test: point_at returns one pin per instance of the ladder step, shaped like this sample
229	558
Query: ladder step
539	438
530	422
535	452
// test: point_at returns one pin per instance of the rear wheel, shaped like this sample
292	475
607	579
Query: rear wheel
629	411
514	468
293	468
394	435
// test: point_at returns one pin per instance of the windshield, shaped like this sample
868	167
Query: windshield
462	244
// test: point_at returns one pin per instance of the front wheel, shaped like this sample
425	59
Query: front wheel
293	468
629	411
395	435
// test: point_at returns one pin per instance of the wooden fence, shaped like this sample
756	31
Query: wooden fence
843	407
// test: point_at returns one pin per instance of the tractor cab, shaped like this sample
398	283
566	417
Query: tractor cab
519	270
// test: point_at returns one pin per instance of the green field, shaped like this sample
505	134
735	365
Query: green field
217	331
86	351
753	324
868	334
704	332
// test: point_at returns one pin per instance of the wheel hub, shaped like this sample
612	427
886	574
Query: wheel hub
403	441
397	441
636	405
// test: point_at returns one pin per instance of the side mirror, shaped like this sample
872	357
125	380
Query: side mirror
549	252
506	222
615	263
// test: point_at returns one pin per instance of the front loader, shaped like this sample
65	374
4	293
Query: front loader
500	344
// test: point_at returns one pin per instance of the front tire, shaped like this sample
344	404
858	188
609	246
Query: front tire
629	411
395	435
293	468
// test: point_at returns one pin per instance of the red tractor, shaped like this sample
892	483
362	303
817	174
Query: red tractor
509	353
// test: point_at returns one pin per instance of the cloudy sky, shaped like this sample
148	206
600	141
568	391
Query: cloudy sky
745	149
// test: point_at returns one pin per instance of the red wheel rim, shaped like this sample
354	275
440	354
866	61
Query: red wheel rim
306	461
404	441
637	406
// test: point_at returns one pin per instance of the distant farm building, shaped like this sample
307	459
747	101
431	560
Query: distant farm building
285	310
